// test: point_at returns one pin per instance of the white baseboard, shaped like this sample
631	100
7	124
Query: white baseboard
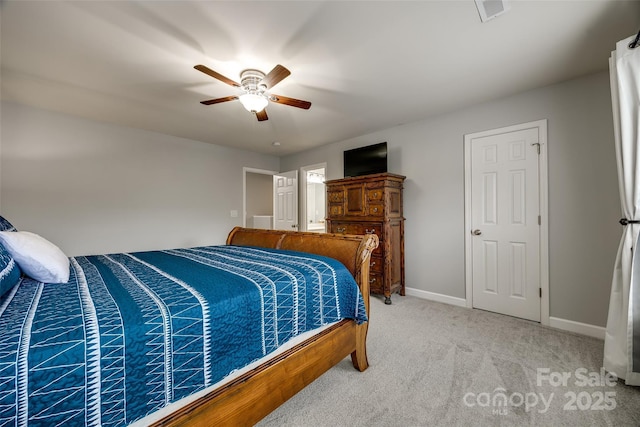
577	327
554	322
419	293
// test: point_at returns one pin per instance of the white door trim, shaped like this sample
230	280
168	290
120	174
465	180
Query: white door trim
244	188
544	211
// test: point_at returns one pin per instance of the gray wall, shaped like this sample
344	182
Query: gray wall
584	202
92	187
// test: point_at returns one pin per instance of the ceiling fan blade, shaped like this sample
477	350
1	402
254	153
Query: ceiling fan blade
216	75
262	115
275	76
290	101
219	100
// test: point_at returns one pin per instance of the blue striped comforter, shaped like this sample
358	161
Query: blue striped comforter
130	333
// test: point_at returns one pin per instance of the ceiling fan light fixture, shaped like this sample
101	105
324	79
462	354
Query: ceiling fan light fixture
254	85
253	103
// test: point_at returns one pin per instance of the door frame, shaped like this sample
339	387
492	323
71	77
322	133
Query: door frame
244	188
302	180
543	176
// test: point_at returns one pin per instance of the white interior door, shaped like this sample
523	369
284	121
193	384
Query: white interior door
285	201
505	216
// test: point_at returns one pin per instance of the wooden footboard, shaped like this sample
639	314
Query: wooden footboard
252	396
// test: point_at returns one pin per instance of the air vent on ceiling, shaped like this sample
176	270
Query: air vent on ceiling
489	9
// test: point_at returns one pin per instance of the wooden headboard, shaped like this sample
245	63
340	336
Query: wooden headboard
351	250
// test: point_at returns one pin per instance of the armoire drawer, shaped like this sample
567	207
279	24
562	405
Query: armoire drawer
335	196
376	209
377	264
375	195
336	210
357	228
376	282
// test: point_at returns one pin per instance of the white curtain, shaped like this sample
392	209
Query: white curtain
622	340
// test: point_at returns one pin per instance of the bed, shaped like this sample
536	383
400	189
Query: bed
152	347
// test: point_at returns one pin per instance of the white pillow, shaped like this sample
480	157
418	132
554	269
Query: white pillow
37	257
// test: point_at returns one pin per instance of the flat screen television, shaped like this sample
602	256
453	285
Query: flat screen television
365	160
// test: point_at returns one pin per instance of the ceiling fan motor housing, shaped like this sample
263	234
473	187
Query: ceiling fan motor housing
250	80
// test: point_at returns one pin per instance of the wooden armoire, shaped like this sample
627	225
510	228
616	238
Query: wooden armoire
372	204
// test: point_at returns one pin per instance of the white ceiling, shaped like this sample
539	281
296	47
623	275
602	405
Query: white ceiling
364	65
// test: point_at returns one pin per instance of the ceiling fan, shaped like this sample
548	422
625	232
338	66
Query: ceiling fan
255	86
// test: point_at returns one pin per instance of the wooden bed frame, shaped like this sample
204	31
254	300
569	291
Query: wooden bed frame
252	396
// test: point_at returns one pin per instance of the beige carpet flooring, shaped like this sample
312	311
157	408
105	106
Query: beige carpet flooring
433	364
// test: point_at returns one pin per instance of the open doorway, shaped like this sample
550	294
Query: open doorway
258	198
314	193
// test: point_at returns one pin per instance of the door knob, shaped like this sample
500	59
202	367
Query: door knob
476	232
